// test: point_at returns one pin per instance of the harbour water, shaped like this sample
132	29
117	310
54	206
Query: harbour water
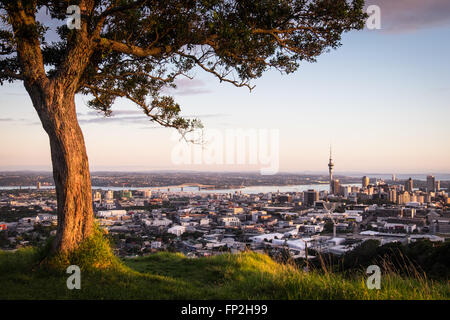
244	190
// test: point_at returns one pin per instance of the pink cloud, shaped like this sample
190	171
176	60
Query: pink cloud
398	16
187	86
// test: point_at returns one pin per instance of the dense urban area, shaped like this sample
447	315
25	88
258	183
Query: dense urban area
197	223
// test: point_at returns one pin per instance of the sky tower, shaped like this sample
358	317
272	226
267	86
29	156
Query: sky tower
330	170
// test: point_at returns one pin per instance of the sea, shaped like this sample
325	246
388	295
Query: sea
244	190
254	189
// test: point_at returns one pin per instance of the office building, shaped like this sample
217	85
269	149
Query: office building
335	187
109	195
365	182
393	195
310	196
431	183
97	196
409	185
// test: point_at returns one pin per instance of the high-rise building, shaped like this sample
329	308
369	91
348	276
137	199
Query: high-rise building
438	185
393	195
335	187
147	194
38	186
97	196
310	196
365	182
345	191
431	183
109	195
394	178
403	198
409	185
420	198
330	170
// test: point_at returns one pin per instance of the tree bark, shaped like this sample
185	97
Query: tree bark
53	98
55	106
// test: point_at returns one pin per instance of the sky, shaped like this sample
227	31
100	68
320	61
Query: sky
382	100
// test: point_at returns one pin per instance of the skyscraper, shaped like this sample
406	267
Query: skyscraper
335	187
147	193
393	195
365	182
97	196
431	183
330	170
310	196
409	185
109	195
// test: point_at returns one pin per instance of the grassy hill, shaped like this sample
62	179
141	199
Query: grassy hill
172	276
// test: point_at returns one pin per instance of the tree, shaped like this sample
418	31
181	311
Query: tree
328	227
134	49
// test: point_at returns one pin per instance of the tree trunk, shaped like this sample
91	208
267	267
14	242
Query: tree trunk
56	109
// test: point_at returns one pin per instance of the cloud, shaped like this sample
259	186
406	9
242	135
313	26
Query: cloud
187	87
105	120
403	16
117	116
212	115
114	113
151	127
13	120
139	119
136	117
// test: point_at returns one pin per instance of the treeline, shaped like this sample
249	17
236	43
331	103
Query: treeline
421	258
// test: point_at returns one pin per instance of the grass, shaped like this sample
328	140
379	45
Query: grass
172	276
93	254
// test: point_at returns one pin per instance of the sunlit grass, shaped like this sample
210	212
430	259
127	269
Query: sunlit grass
248	275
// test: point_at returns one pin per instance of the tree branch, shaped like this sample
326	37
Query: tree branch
28	46
212	71
131	49
6	73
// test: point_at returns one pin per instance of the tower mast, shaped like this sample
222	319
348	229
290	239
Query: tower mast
330	170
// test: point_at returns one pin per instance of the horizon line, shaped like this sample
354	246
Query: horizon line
306	172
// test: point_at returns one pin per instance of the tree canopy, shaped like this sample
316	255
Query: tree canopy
135	49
